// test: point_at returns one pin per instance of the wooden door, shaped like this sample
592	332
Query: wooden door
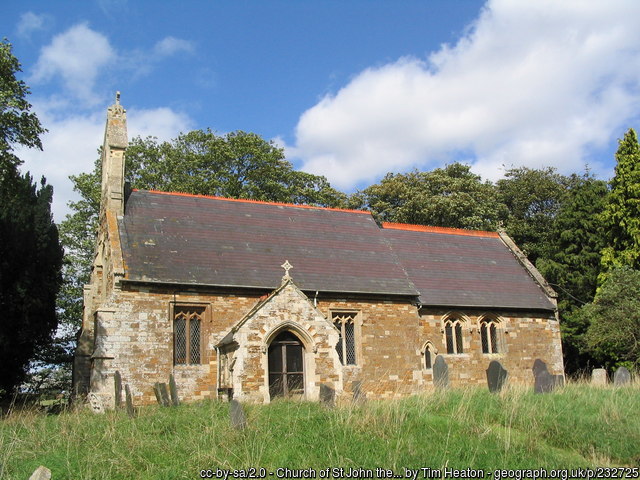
286	366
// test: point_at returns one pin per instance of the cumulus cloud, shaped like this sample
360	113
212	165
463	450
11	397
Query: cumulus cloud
70	147
530	83
29	23
76	57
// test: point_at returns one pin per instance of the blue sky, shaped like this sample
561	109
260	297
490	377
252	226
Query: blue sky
351	89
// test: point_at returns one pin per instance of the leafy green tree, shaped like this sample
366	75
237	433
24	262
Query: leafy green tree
18	125
533	198
614	319
621	217
235	165
447	197
571	262
30	253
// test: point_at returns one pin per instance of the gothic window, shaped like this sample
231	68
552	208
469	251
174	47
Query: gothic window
187	334
346	346
489	336
429	356
453	336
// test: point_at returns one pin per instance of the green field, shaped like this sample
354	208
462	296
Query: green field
577	426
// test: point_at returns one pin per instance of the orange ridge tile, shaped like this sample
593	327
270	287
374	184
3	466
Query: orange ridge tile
446	230
246	200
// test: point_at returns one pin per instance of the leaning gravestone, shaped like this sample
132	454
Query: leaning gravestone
440	373
496	376
236	413
173	390
599	376
164	393
156	391
41	473
327	395
622	376
544	381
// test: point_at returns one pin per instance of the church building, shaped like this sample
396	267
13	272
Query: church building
259	300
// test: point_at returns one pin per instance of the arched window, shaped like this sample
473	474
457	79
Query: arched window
187	324
489	335
453	335
429	355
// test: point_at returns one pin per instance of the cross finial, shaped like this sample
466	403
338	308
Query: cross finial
118	98
287	266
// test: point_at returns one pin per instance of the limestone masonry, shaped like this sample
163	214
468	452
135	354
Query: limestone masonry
257	300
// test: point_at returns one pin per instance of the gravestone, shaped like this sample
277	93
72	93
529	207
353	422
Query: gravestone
164	394
117	380
95	403
173	390
236	413
358	394
131	411
440	373
156	391
41	473
622	376
327	395
544	381
496	376
599	376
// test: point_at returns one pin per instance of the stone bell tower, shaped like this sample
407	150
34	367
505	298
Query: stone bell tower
115	144
93	356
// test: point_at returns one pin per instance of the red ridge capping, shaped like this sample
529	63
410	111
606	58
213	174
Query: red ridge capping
245	200
450	231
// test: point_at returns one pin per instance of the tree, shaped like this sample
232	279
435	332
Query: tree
235	165
30	260
614	319
571	261
18	125
533	197
30	253
447	197
621	217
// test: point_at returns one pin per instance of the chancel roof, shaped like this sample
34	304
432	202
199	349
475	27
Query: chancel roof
198	240
452	267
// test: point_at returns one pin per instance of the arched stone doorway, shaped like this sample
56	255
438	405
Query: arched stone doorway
286	366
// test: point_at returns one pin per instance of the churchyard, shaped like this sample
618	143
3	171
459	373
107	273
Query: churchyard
587	424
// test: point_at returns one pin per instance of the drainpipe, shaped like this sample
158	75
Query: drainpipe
217	372
315	299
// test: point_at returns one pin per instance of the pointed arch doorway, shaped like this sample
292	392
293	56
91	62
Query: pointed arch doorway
286	366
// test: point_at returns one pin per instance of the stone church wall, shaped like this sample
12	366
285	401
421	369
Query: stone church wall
136	338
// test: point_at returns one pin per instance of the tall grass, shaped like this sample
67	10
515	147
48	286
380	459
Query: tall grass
578	426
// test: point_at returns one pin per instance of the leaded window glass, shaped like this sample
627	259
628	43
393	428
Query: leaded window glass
187	335
346	346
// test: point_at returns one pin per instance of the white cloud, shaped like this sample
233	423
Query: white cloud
171	45
70	147
76	56
29	23
531	83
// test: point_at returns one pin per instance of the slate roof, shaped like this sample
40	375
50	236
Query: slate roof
198	240
452	267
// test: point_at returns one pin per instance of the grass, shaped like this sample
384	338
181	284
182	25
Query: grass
578	426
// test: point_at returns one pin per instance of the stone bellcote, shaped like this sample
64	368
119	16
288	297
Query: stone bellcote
115	144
